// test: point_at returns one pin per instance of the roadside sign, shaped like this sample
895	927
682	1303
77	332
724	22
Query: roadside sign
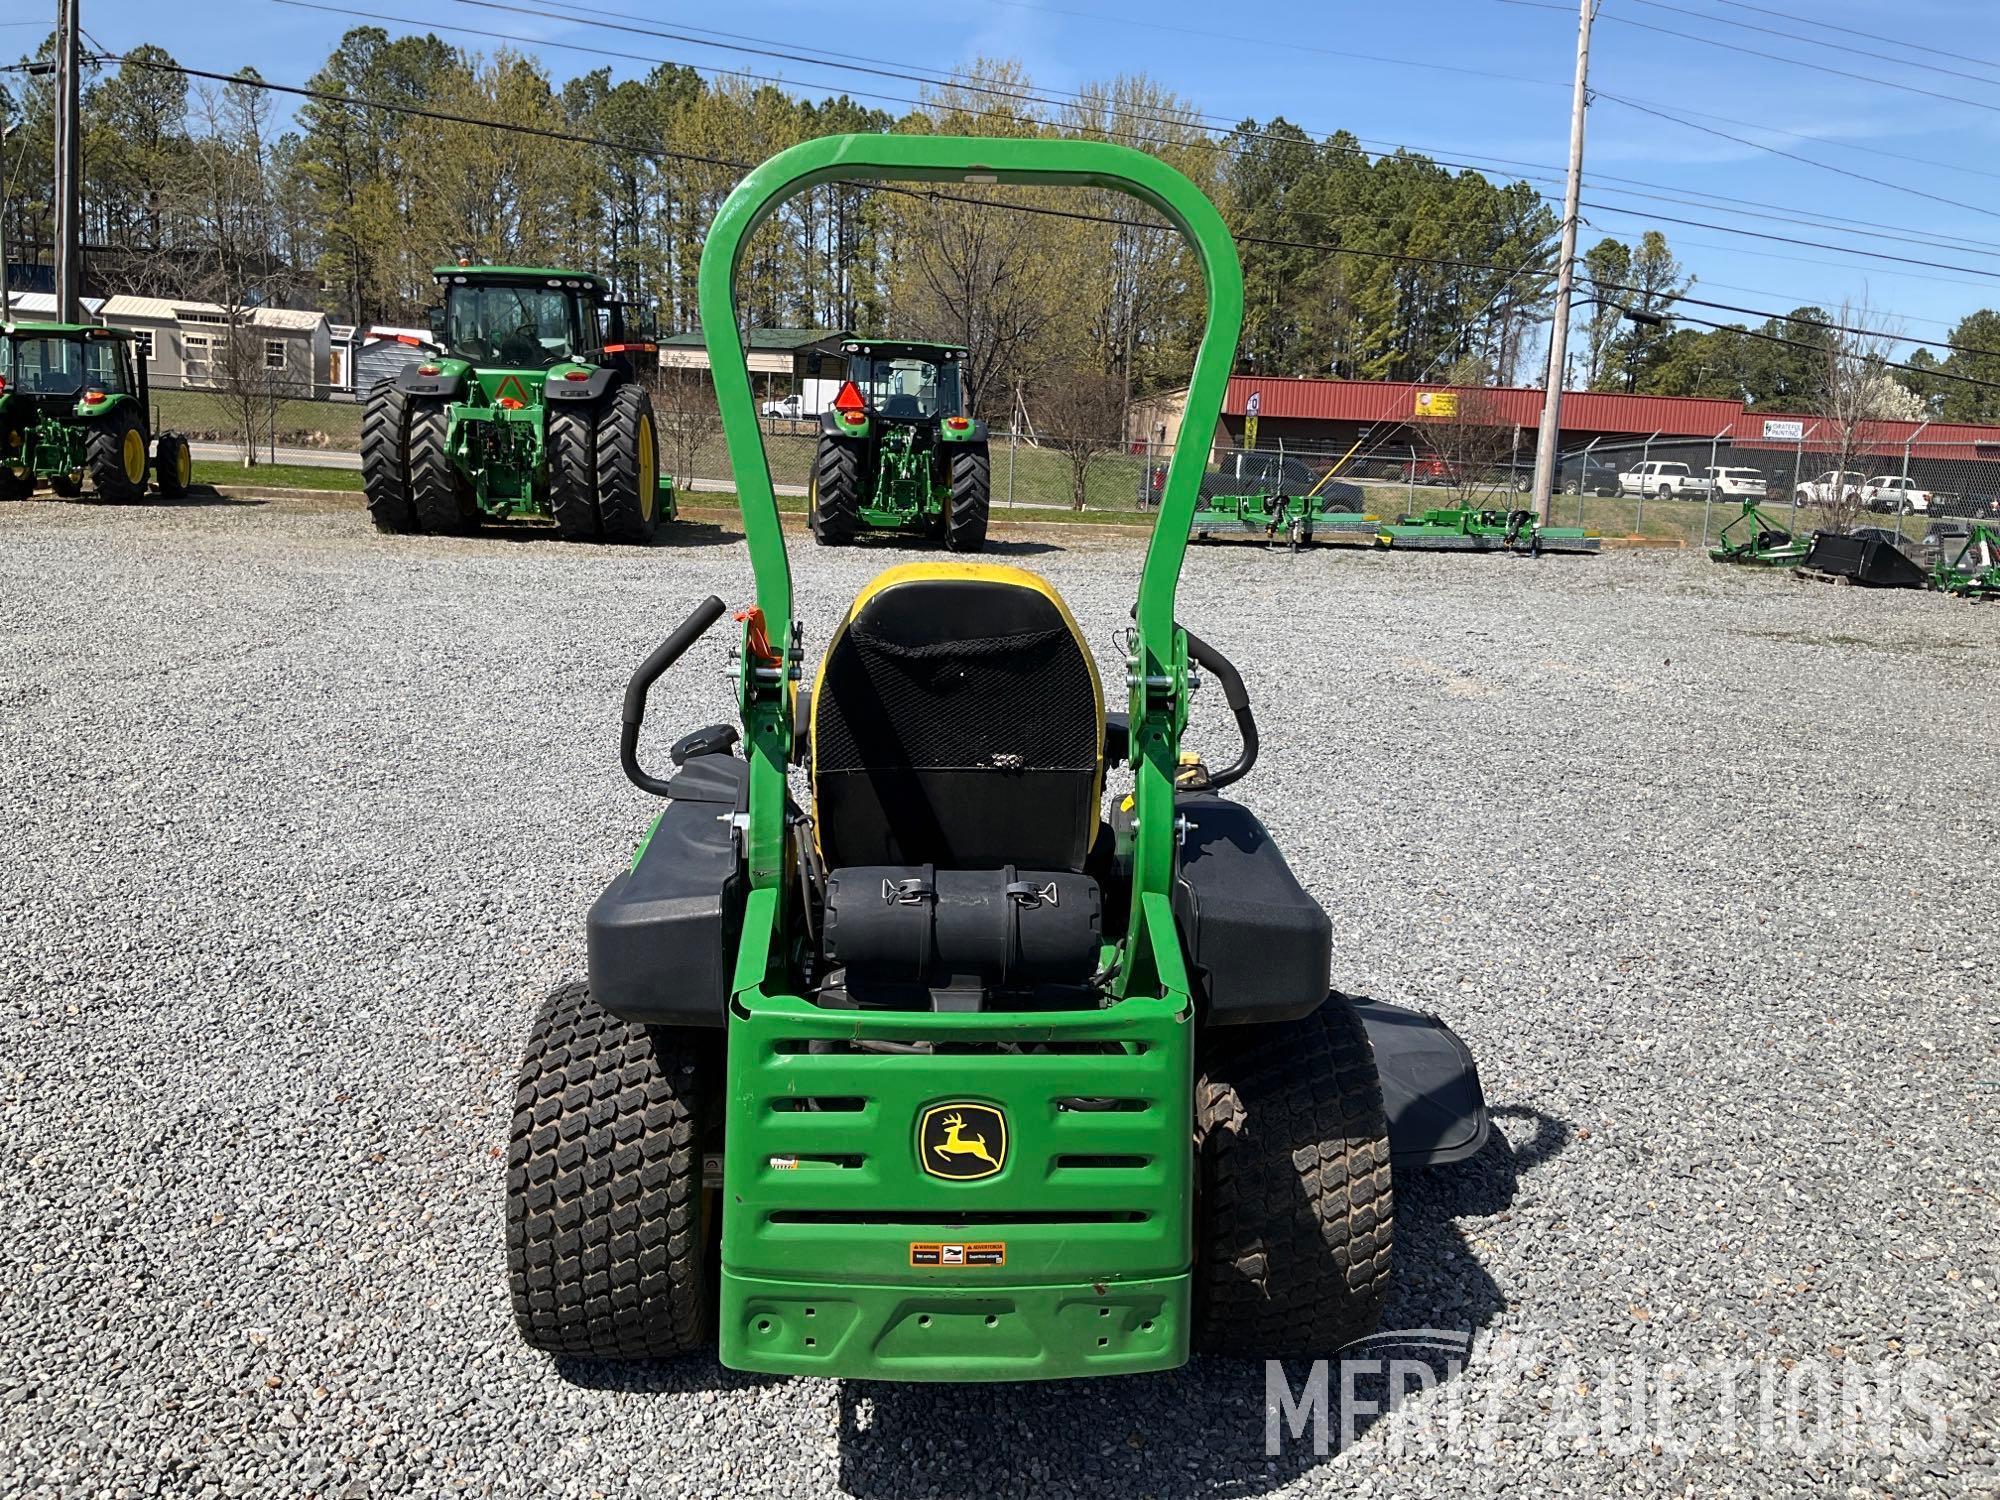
1437	403
1784	432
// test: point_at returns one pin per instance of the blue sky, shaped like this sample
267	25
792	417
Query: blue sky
1470	80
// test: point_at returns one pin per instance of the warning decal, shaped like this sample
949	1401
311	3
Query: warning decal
951	1256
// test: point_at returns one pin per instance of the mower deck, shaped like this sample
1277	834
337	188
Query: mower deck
1458	530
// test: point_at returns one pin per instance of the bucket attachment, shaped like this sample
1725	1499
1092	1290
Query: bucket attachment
1863	560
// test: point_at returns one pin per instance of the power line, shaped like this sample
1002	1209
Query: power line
1289	46
1793	36
761	46
1872	36
1887	364
660	152
1776	57
1660	114
1793	317
1193	119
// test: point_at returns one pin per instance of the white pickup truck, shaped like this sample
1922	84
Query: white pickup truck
1665	478
1824	489
1896	494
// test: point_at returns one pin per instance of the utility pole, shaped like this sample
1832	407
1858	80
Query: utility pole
1551	428
6	302
69	165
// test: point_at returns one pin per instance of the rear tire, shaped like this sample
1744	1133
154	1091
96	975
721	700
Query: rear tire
439	494
1296	1214
173	465
835	498
115	456
971	487
606	1247
573	471
385	459
628	467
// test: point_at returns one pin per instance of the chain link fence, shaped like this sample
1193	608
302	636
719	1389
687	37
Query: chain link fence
1673	486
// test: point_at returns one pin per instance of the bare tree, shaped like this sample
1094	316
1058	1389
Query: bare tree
1856	393
687	417
1088	425
1466	432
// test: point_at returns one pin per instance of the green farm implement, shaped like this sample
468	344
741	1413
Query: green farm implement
73	408
906	1052
529	404
1295	520
1466	530
897	451
1764	544
1973	571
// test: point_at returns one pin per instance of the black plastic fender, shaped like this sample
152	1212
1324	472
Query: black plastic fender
449	384
1430	1084
561	388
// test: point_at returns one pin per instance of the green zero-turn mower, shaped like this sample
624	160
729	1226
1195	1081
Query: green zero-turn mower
530	404
944	1071
897	451
74	407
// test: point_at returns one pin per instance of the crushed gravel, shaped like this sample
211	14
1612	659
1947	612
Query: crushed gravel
299	822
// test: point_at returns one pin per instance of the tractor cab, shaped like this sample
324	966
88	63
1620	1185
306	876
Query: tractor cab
74	406
517	317
903	381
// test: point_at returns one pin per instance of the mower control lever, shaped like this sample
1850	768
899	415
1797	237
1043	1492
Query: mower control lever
664	655
1213	661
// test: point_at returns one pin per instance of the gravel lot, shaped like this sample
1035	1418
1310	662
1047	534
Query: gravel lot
300	822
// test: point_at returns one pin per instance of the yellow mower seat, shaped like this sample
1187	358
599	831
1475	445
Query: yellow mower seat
957	721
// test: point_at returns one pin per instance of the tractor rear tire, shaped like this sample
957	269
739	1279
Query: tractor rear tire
1296	1213
971	488
439	494
385	458
607	1248
835	498
115	456
173	466
628	467
573	471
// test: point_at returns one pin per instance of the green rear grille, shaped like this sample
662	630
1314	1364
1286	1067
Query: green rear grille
821	1170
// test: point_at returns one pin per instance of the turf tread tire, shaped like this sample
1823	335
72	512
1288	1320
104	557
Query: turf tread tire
836	492
438	492
621	508
104	456
971	499
605	1238
573	471
1297	1214
385	459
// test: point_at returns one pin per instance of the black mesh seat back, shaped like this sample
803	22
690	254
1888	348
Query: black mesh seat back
957	721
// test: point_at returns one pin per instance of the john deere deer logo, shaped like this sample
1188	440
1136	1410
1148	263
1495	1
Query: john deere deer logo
962	1141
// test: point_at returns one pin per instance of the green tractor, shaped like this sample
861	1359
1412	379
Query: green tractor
909	1050
897	451
74	407
531	404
